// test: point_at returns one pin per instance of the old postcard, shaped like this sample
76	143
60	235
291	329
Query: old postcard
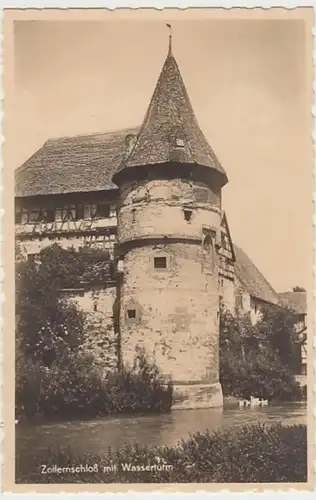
158	179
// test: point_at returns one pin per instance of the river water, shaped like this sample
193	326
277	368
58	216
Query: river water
97	435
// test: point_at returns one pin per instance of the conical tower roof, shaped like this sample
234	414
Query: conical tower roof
170	124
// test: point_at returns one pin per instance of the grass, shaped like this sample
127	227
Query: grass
254	453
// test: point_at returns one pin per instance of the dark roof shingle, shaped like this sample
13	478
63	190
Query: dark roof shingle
252	279
169	117
88	163
297	301
72	164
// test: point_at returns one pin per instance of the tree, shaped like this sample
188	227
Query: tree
48	325
257	359
299	289
277	326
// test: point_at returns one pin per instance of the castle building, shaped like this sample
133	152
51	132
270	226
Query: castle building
151	196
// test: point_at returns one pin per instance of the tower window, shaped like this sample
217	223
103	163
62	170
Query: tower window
201	194
207	243
131	313
187	214
160	262
180	143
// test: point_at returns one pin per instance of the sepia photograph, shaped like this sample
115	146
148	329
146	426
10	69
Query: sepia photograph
161	171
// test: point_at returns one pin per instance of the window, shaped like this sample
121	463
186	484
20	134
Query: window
133	215
201	194
207	244
208	251
223	239
180	143
187	214
131	313
25	216
65	212
79	211
72	212
58	214
160	262
103	210
34	216
48	215
18	216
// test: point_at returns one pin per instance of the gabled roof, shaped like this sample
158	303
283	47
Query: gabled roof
72	164
297	301
252	279
169	117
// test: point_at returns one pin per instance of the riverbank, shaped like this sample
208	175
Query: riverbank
254	453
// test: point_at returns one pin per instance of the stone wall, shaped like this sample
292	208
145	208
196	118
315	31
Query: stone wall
173	310
227	292
101	339
173	207
176	312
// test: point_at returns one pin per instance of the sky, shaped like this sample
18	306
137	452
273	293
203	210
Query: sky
246	80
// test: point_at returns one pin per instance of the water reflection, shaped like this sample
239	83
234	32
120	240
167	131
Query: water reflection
96	436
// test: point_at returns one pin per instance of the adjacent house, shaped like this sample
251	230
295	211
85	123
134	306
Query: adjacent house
252	291
297	302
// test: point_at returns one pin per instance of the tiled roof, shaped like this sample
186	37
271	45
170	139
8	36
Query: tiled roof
252	279
169	117
72	164
297	301
87	163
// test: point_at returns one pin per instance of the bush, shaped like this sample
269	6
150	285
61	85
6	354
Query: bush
47	324
73	388
249	363
256	454
258	378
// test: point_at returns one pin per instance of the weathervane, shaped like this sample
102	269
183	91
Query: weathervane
170	37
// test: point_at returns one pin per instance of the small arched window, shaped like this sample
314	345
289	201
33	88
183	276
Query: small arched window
208	251
207	243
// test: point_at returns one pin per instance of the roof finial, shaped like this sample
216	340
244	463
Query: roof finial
170	39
